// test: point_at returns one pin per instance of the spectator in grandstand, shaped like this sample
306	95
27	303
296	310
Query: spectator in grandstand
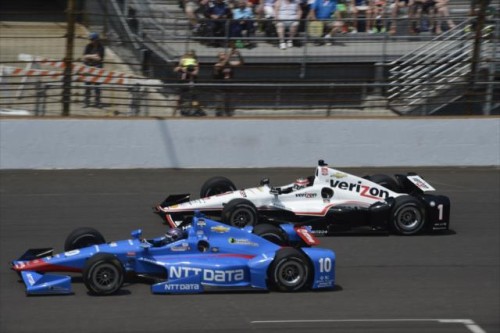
358	8
93	55
223	71
288	14
378	8
243	20
188	67
190	7
442	14
219	14
266	9
397	7
324	11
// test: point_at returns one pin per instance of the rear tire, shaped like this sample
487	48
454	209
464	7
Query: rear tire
386	181
83	237
239	213
271	233
408	215
290	270
103	274
216	185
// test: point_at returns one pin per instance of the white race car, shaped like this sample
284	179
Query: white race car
330	201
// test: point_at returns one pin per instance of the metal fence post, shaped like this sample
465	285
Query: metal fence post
68	59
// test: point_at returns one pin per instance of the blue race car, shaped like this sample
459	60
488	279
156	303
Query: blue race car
207	256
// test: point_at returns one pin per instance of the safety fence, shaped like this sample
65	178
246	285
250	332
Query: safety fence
310	78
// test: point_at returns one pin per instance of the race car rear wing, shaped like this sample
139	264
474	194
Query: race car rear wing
414	183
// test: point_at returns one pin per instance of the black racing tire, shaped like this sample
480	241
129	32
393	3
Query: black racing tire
103	274
216	185
240	213
290	270
386	181
407	215
83	237
271	233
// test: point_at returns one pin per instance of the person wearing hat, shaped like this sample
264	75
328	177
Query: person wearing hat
93	55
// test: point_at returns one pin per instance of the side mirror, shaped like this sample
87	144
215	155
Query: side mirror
136	234
264	181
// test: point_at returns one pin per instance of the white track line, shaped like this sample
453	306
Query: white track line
468	323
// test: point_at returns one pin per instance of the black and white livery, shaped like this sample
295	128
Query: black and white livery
330	201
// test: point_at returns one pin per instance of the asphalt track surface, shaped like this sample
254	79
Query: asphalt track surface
385	283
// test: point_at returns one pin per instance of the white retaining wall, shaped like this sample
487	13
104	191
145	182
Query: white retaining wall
240	143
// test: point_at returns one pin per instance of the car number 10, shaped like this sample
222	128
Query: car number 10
325	265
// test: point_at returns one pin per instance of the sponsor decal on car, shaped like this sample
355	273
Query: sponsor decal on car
181	248
363	190
130	254
338	175
243	194
182	287
201	223
220	229
70	253
242	241
324	171
306	195
211	275
31	280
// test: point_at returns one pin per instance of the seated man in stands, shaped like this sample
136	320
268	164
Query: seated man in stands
358	8
397	6
442	13
219	14
325	10
377	10
242	21
190	7
288	14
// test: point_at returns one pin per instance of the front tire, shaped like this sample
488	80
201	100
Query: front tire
271	233
239	213
408	215
103	274
290	270
83	237
216	185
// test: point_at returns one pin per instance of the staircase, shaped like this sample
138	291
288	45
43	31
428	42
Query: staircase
429	78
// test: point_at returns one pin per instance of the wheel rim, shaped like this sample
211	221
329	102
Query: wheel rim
409	218
105	277
291	274
241	218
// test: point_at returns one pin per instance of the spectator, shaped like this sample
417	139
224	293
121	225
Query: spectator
377	16
188	67
266	9
358	7
398	5
223	71
190	8
219	14
243	21
324	10
93	55
442	14
288	14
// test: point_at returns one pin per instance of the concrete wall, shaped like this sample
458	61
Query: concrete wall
239	143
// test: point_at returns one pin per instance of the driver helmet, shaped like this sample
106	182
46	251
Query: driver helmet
174	234
300	183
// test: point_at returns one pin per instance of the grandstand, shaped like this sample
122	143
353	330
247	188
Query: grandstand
354	74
